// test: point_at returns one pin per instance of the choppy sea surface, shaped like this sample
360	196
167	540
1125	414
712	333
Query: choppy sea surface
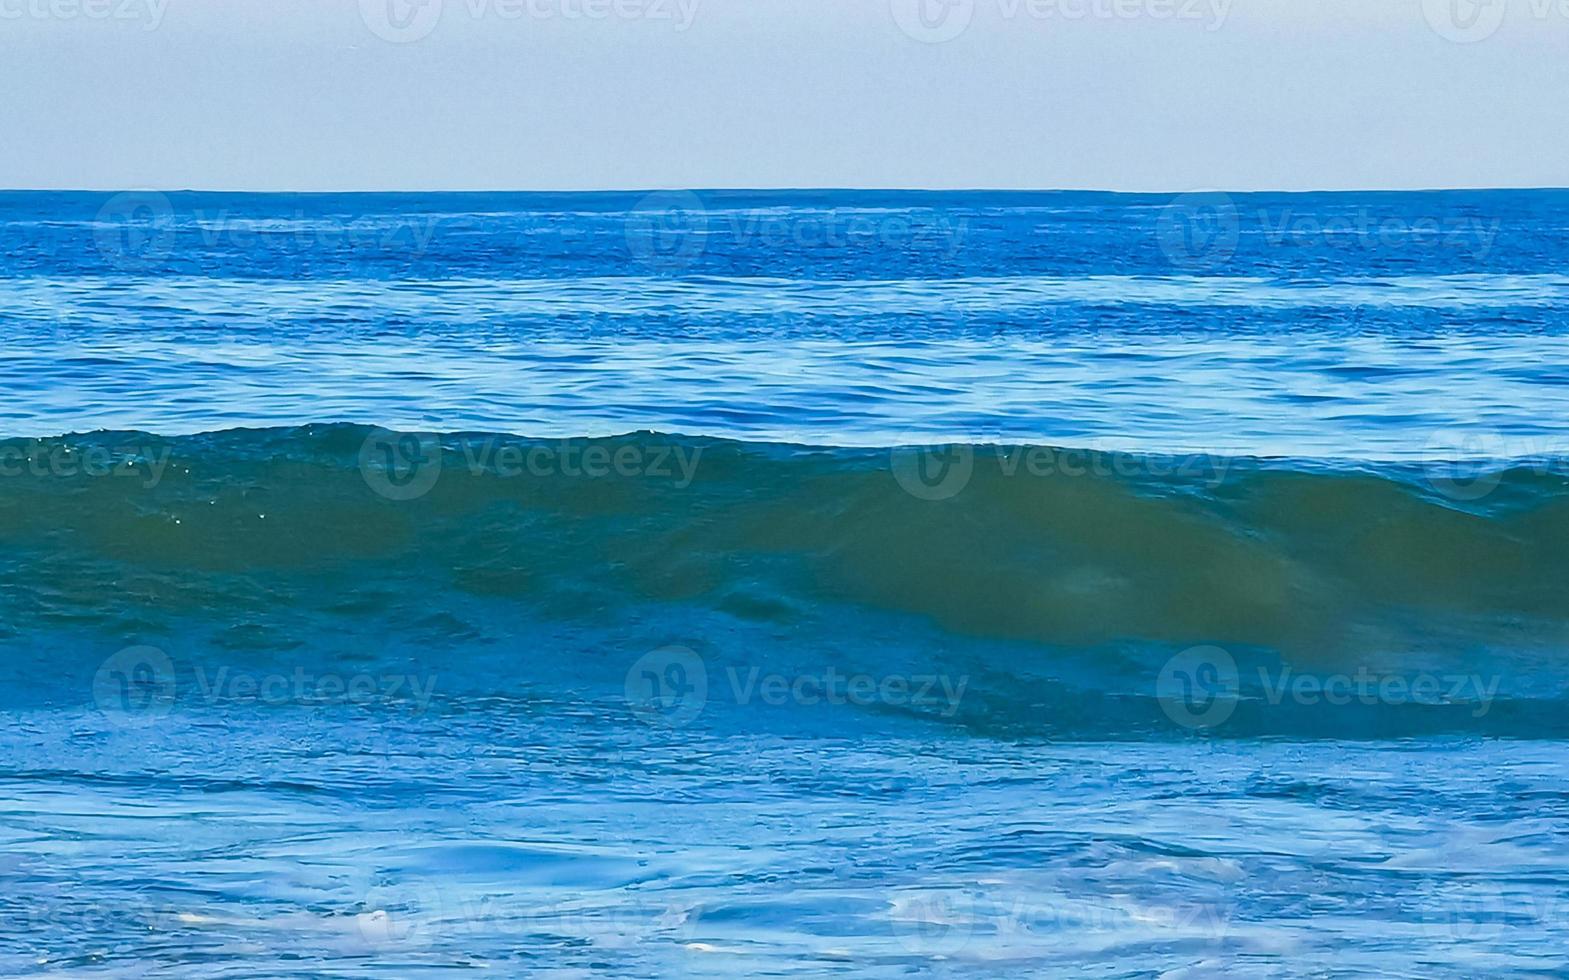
787	583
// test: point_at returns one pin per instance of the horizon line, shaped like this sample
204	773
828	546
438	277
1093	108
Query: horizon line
803	189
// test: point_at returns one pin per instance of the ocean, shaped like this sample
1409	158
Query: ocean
717	583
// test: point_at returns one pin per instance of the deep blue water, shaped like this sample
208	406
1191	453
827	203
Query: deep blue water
1363	326
721	583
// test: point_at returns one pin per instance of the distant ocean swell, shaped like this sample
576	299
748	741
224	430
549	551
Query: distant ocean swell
1011	591
85	301
695	232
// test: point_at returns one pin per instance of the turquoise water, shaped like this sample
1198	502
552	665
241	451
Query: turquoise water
792	583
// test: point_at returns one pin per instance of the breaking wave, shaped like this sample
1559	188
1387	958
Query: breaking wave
1063	585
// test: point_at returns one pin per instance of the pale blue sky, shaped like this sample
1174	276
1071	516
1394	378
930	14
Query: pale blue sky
469	94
